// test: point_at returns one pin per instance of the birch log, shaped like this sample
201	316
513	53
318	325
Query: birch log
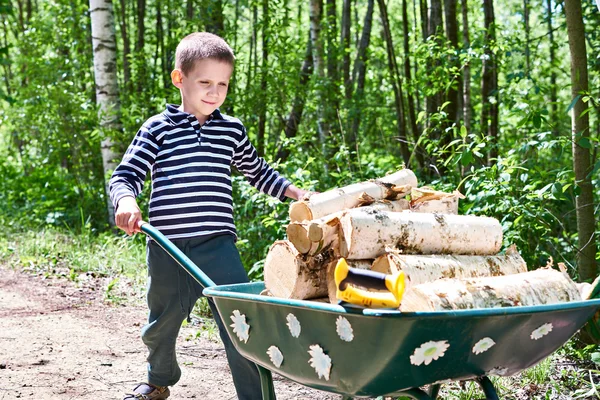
425	199
316	236
542	286
366	234
419	269
390	187
290	275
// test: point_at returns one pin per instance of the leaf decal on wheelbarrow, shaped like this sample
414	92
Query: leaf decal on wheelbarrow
541	331
320	361
344	329
428	352
294	325
275	356
240	327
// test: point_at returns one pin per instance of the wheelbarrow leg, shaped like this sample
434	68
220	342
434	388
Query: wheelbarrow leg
488	388
266	383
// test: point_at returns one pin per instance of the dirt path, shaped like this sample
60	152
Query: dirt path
61	341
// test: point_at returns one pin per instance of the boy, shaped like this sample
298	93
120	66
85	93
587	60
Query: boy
190	150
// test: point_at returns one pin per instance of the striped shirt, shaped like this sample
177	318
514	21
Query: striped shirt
191	172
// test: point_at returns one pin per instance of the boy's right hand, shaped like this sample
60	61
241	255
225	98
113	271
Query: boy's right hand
128	215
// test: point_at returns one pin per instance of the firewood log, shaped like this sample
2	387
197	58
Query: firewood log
425	199
426	268
365	234
542	286
289	274
313	237
390	187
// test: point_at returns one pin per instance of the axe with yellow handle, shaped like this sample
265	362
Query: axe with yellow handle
346	276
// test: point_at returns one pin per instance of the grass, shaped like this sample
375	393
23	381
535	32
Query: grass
119	261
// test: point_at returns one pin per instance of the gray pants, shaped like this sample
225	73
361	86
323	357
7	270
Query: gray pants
172	293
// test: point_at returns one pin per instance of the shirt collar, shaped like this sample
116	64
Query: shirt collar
177	114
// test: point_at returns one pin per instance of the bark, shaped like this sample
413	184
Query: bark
489	81
452	35
142	70
433	100
332	65
553	95
295	116
396	83
358	75
262	106
424	12
319	205
580	126
542	286
290	275
415	131
345	42
189	10
427	200
213	17
527	36
419	269
105	75
319	235
126	46
466	76
316	12
367	234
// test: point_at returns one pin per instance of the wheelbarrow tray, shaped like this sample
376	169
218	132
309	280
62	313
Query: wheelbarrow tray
377	359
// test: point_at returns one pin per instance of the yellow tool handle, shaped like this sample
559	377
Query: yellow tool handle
345	276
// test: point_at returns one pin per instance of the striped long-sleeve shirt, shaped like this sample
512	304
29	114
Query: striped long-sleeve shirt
191	172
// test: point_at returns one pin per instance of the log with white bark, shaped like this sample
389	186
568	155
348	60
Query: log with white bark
425	199
366	234
288	274
390	187
316	236
426	268
542	286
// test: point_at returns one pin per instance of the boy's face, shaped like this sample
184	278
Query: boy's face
204	88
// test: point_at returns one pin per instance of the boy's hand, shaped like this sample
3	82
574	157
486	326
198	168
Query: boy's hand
297	194
128	215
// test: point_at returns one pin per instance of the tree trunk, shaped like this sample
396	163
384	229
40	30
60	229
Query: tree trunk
527	36
332	67
321	204
213	17
142	75
396	84
358	75
345	42
489	81
452	35
107	95
466	76
580	126
553	96
542	286
316	8
366	235
433	101
126	47
293	120
412	115
424	12
420	269
262	106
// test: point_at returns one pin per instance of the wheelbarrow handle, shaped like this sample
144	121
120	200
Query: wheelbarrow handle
345	276
177	254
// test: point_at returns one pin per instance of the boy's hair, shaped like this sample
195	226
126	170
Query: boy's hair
200	46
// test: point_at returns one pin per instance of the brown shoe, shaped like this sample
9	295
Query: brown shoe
147	391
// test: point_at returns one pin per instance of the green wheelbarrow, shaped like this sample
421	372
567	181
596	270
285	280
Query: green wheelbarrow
359	352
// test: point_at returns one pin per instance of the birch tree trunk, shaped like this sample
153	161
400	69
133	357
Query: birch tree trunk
580	125
542	286
420	269
366	235
319	205
107	95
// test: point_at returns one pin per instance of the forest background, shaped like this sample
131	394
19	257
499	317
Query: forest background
487	97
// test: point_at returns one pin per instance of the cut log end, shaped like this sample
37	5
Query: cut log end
300	211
